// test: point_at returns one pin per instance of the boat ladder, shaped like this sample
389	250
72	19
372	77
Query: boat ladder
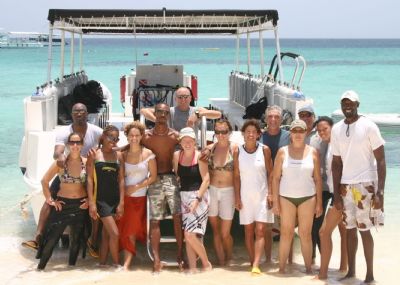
163	239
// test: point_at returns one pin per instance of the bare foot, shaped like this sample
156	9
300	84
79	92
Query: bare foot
181	264
369	280
308	271
347	276
282	271
207	267
157	266
320	277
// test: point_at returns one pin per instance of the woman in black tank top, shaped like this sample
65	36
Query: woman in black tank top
194	180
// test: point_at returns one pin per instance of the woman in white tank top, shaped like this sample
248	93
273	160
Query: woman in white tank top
297	191
252	170
140	170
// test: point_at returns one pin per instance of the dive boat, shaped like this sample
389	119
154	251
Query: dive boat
26	40
149	84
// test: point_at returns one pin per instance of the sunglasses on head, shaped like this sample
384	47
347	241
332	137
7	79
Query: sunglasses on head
221	132
74	142
113	139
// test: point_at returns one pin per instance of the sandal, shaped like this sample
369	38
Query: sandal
92	249
255	270
32	244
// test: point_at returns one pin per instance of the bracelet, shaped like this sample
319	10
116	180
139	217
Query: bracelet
379	192
199	198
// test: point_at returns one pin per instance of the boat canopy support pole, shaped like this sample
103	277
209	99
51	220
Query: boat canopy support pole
278	57
261	53
135	43
50	53
72	57
62	53
237	50
80	52
248	52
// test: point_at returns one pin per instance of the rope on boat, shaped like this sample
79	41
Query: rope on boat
23	204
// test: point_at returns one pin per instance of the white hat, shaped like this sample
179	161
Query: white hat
306	108
351	95
187	132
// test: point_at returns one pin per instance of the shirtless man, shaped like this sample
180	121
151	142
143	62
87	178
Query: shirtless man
162	141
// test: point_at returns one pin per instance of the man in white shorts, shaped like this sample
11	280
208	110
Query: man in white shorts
359	172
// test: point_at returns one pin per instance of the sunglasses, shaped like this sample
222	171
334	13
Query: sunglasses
113	139
162	112
78	111
297	131
183	96
221	132
305	115
75	142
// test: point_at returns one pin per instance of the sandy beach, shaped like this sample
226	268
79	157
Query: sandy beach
19	267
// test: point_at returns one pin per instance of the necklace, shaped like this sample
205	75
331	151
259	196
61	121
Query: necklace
160	134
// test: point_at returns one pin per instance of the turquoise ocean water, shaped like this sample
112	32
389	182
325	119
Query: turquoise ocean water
371	67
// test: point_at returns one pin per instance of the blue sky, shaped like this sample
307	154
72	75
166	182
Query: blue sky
298	19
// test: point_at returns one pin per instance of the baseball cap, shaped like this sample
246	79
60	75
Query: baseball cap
306	108
298	124
351	95
187	132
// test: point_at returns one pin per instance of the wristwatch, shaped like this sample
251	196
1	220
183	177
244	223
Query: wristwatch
199	198
197	113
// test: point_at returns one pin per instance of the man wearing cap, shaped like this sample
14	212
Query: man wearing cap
183	115
359	172
162	140
307	114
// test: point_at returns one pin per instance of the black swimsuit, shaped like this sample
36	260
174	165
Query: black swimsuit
106	187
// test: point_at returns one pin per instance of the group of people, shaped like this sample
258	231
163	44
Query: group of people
288	176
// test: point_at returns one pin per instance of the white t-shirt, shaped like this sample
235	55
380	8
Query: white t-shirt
90	140
356	149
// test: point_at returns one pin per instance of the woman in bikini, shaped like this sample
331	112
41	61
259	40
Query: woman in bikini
297	192
194	180
222	194
69	208
140	172
252	171
106	189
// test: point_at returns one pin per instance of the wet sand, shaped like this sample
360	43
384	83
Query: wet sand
18	266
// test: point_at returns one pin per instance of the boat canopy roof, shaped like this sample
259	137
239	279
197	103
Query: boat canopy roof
163	21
